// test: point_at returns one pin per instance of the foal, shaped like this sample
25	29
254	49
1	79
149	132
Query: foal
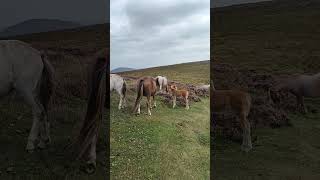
146	86
181	93
240	103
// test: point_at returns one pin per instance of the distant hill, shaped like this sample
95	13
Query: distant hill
36	26
122	69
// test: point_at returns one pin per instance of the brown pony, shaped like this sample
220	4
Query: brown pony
88	136
146	86
181	93
240	103
300	86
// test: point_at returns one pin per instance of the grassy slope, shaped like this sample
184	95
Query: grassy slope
66	112
193	73
171	144
279	40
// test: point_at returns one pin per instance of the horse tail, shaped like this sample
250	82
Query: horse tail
139	94
157	81
93	117
124	88
248	102
46	83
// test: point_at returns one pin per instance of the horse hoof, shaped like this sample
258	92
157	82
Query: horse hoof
90	168
30	148
246	148
43	145
30	151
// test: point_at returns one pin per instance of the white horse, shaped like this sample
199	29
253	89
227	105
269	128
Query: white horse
301	86
162	81
119	84
25	70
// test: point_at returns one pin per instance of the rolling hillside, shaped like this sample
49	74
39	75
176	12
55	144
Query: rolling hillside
37	26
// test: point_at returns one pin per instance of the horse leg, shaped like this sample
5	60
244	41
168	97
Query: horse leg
149	105
187	102
91	162
120	102
37	113
154	102
246	134
44	132
174	101
300	104
139	111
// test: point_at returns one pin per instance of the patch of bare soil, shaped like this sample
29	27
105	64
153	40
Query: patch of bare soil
264	112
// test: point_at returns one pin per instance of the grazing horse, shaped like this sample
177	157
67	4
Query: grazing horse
28	72
88	135
119	84
240	103
146	86
162	81
300	86
182	93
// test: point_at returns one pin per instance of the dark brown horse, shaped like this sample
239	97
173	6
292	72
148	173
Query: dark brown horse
97	91
146	86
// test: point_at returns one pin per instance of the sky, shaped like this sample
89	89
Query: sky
85	12
147	33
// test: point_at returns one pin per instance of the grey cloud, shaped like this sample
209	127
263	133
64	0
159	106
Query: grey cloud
180	33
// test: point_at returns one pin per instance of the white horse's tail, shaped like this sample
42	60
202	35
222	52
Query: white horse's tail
124	89
46	83
157	81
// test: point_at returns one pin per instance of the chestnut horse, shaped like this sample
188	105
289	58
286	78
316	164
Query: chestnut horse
240	103
301	86
88	136
180	93
146	86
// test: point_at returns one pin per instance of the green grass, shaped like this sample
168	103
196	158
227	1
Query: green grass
171	144
288	151
53	162
276	40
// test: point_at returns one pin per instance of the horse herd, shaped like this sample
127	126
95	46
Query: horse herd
148	87
240	102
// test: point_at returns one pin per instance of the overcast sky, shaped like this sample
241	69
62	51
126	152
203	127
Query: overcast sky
81	11
148	33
